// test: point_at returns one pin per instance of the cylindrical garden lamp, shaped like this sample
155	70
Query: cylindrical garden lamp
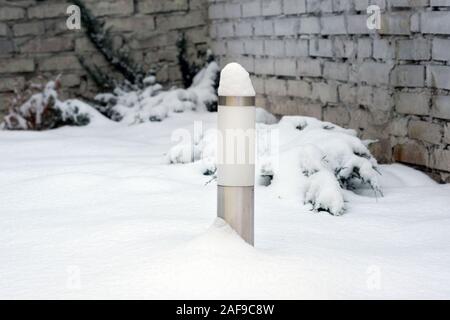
236	150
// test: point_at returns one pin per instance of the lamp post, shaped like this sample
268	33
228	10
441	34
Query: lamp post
236	151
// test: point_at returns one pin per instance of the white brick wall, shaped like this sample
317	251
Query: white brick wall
319	58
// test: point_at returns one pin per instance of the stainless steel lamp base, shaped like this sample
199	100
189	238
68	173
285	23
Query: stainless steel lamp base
236	206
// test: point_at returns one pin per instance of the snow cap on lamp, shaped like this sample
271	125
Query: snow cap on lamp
235	81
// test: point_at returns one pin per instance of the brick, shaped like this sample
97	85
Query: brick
382	101
441	49
321	48
395	23
359	118
59	63
29	28
357	24
254	46
342	5
218	47
298	88
197	4
409	3
16	65
441	107
225	30
11	13
235	47
70	80
216	11
364	95
364	48
440	3
324	92
441	159
232	10
374	73
415	22
47	10
6	46
296	47
309	67
344	48
417	49
3	30
361	5
181	21
319	6
276	87
438	77
412	103
347	93
435	22
213	31
261	101
274	48
336	114
288	26
382	105
251	9
57	44
264	66
383	49
244	28
408	76
263	27
157	6
136	24
11	84
287	106
411	152
258	84
332	25
83	45
120	7
285	67
248	63
335	71
425	131
294	6
271	7
398	127
447	133
309	25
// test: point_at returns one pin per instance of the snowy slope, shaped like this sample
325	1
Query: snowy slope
96	212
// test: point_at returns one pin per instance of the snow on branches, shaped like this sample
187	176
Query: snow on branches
330	159
308	159
38	108
152	103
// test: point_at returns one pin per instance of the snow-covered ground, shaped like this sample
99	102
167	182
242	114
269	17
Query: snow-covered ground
96	212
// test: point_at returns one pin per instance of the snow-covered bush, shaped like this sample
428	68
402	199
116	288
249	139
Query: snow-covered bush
313	160
38	108
330	159
152	103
